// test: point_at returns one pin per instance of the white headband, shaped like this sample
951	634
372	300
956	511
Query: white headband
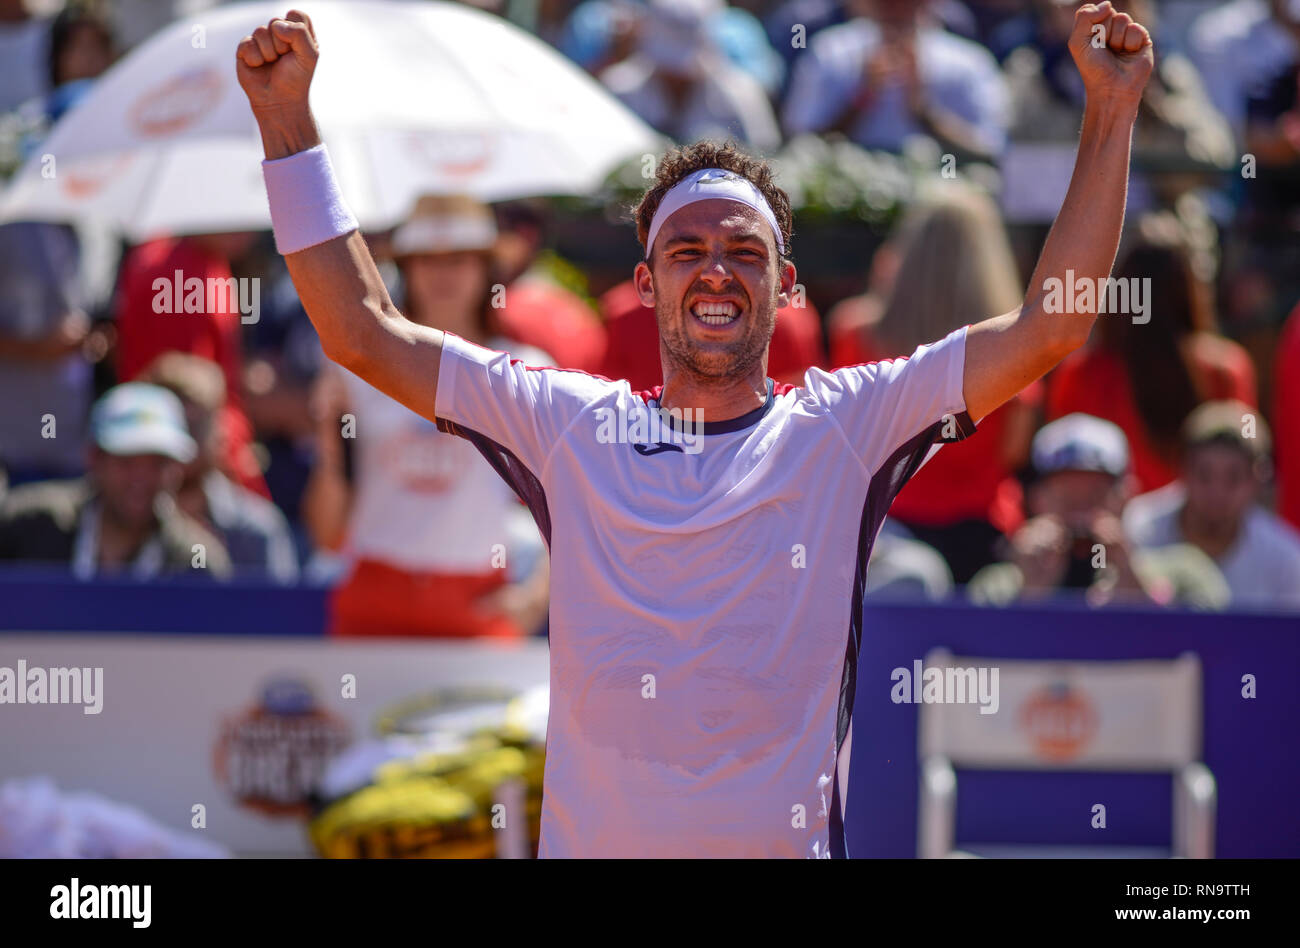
709	184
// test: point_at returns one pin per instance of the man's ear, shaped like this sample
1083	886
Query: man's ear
643	279
787	275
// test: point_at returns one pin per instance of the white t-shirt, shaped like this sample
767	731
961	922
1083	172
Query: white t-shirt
427	502
706	600
1262	568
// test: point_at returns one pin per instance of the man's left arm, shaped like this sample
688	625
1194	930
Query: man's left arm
1006	353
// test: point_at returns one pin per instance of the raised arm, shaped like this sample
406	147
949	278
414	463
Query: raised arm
337	280
1006	353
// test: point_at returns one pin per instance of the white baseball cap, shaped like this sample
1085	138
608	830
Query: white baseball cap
138	418
1080	442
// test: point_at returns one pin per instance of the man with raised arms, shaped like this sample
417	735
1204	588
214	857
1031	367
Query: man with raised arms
705	605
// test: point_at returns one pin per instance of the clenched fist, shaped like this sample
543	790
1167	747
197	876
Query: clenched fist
1113	53
275	64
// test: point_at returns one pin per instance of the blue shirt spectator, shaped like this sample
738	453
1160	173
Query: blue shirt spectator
883	80
1239	48
679	80
590	33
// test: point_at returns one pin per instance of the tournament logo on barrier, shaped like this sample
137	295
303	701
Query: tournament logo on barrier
271	756
1060	721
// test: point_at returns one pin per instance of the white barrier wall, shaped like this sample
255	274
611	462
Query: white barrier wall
191	720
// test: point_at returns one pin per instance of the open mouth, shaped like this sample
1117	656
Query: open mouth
716	313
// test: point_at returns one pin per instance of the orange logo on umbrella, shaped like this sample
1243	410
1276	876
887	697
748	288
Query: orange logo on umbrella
176	104
451	154
86	179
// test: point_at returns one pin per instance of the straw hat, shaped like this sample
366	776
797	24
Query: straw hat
444	224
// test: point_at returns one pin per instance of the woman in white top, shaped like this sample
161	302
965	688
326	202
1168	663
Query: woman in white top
438	544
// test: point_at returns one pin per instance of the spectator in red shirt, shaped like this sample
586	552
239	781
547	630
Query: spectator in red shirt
633	341
1286	406
850	321
536	310
1148	376
953	266
149	325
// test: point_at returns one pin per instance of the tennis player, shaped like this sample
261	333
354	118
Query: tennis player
706	585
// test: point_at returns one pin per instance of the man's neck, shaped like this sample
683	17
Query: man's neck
714	400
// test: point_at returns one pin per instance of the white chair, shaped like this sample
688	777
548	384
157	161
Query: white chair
1115	717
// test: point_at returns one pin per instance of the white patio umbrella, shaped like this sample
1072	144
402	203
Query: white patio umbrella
409	97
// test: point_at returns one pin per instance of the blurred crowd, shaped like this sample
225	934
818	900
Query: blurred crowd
1158	465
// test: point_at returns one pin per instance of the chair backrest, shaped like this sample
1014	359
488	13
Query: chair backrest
1061	715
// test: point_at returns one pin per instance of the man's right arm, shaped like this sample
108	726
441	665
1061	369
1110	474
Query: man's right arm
337	281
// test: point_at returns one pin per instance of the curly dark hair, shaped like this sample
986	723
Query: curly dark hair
681	161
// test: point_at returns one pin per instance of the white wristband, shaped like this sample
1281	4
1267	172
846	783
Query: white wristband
306	206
